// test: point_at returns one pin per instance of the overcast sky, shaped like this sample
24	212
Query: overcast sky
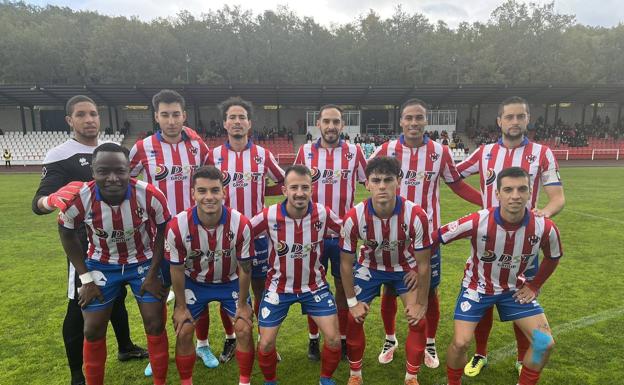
596	13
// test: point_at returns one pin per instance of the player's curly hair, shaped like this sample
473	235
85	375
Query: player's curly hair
168	97
225	105
383	165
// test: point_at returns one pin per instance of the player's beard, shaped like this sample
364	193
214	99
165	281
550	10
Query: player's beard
514	137
331	139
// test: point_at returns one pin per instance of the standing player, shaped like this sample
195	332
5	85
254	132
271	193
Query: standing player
296	229
423	163
63	164
245	167
167	160
121	215
336	166
513	149
205	244
396	239
505	242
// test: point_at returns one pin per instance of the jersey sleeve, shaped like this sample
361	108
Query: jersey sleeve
137	154
350	234
259	223
73	216
550	169
551	241
244	245
380	151
449	171
462	228
360	165
273	170
421	239
175	250
158	210
299	159
470	165
204	154
333	224
53	177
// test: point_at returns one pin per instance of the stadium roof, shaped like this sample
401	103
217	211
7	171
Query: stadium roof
313	95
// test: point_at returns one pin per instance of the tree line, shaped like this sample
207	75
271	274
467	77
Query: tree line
520	43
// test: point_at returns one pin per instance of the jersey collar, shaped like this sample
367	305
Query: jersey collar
499	220
397	207
524	142
184	135
98	195
402	139
247	147
222	220
285	213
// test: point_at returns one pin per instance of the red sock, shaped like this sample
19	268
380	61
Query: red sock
528	376
94	353
454	375
415	347
343	315
268	364
202	324
522	341
433	315
158	348
227	322
185	366
330	358
388	312
482	332
245	365
312	326
356	343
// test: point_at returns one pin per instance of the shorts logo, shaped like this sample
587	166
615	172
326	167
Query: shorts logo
161	172
226	178
534	240
317	298
272	298
349	155
434	156
100	232
357	289
465	306
330	303
234	295
99	278
491	176
318	225
472	295
316	174
265	312
83	162
191	299
531	158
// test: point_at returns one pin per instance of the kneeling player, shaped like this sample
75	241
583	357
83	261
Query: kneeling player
295	230
205	244
396	239
120	214
505	242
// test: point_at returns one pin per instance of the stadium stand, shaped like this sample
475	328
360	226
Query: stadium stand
31	148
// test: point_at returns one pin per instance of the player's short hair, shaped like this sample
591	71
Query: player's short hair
208	172
298	169
69	106
110	147
168	97
327	107
225	105
413	102
512	172
512	100
383	165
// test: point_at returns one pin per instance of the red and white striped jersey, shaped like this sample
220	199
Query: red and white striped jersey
118	235
335	172
389	244
169	167
209	255
490	159
421	170
295	246
501	252
244	175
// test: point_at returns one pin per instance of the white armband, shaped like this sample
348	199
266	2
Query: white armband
351	302
86	278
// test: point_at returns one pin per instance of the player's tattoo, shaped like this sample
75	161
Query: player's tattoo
246	266
544	327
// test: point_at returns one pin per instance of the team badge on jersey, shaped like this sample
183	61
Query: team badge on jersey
534	240
453	226
318	225
434	156
139	212
531	158
349	155
258	159
465	306
230	235
194	150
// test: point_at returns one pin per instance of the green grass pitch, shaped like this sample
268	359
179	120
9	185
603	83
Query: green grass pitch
582	300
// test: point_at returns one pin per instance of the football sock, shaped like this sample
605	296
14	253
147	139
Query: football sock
415	347
158	348
342	322
330	358
268	364
433	315
94	353
202	325
245	365
528	376
312	327
482	332
388	312
454	375
185	367
356	343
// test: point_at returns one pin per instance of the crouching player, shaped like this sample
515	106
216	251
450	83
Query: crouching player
396	239
505	242
120	214
205	244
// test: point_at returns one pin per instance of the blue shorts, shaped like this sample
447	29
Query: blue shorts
367	282
436	268
111	278
274	306
260	262
331	254
165	267
199	295
471	306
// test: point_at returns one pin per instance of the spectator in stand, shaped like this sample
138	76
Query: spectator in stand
290	135
7	158
309	137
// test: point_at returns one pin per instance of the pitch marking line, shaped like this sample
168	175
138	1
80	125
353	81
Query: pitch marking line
593	216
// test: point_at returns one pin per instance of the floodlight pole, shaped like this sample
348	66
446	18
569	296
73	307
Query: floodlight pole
23	119
188	60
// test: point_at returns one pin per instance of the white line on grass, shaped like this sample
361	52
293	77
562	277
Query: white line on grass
593	216
510	349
